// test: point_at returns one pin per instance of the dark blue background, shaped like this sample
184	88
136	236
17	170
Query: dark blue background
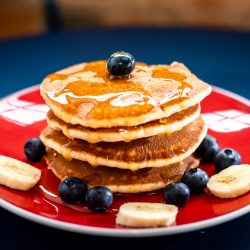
218	57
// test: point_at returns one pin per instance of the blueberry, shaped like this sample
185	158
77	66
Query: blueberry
196	179
225	158
208	148
120	64
72	190
176	193
34	149
99	198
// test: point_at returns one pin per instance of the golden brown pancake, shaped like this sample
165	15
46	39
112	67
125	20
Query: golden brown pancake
87	95
154	151
170	124
119	180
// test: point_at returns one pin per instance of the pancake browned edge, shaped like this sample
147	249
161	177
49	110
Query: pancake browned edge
119	180
154	151
170	124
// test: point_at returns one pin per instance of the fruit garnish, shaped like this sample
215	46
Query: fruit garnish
34	149
99	199
230	182
208	148
18	175
72	190
143	214
120	64
196	179
176	193
225	158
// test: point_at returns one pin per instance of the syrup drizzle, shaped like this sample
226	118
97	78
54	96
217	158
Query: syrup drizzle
91	92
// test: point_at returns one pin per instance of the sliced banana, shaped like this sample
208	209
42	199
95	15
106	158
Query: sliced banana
18	175
230	182
143	214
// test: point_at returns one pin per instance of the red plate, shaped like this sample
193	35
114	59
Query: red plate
22	116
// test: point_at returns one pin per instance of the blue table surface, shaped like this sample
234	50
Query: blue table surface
218	57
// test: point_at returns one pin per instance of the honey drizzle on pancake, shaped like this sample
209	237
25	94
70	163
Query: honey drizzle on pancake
92	93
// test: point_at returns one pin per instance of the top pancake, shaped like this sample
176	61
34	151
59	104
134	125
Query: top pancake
87	95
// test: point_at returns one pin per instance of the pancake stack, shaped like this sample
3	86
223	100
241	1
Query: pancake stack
131	134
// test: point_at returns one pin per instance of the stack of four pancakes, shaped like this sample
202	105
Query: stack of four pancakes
131	134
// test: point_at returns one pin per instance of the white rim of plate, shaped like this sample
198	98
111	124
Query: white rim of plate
130	232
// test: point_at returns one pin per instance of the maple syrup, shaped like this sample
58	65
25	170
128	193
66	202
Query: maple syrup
91	92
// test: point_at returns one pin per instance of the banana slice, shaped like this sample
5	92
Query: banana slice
18	175
143	214
230	182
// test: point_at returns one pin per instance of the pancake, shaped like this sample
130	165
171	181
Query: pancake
170	124
119	180
87	95
154	151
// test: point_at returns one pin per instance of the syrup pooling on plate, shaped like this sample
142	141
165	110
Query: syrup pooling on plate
91	92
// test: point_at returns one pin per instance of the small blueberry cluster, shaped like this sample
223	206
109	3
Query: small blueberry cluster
74	190
195	180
